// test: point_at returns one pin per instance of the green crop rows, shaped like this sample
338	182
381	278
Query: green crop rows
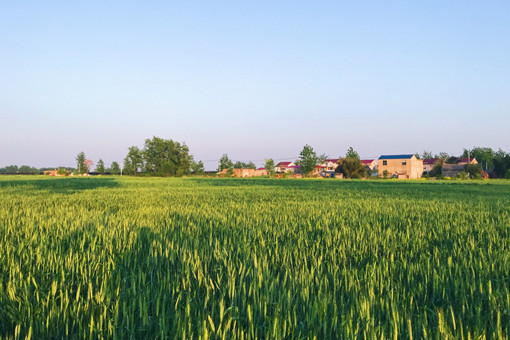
199	258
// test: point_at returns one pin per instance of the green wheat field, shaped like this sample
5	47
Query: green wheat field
206	258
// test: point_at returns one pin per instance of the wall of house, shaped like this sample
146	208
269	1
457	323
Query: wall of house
428	167
250	173
452	170
372	165
411	170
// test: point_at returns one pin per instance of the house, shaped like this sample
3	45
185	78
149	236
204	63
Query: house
329	165
465	161
400	166
429	164
452	170
51	172
283	167
250	172
54	173
371	164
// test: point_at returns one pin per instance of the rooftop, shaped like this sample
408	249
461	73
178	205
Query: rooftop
396	156
430	161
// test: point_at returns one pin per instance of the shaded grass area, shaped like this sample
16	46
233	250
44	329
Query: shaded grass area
254	258
28	184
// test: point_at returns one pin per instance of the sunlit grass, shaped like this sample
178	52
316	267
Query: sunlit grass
253	258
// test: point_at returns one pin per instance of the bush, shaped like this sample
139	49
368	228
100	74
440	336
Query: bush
62	172
507	174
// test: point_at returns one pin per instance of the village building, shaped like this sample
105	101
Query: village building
465	161
452	170
295	169
54	173
400	166
250	172
371	164
284	167
329	165
429	164
51	172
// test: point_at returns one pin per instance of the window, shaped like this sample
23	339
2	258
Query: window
384	162
404	163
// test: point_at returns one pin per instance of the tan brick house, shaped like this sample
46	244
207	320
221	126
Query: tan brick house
400	166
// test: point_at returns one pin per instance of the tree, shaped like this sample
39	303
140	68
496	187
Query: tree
243	165
100	167
473	170
427	154
443	155
350	166
26	169
351	153
127	167
239	165
88	164
62	172
166	157
484	156
501	163
437	169
197	168
115	168
452	160
135	160
308	159
80	163
269	166
225	163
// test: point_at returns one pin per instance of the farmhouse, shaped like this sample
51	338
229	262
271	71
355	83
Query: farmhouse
371	164
329	165
452	170
283	167
429	164
250	172
54	173
465	161
400	166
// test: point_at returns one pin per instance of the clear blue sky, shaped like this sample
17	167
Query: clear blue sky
251	79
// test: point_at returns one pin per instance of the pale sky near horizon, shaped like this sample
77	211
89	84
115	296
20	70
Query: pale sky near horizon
252	79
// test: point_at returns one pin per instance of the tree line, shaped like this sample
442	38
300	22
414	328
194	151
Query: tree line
165	157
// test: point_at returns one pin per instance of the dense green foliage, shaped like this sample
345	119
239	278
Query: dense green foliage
166	157
225	163
81	165
253	258
244	165
350	166
489	159
269	165
308	159
100	168
197	167
114	168
14	169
